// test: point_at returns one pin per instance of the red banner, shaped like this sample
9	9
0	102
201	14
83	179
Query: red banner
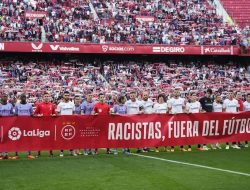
113	131
36	14
117	48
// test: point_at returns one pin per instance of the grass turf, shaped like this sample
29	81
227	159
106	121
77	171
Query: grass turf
128	172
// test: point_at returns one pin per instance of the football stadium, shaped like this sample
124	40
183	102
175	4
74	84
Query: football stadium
118	94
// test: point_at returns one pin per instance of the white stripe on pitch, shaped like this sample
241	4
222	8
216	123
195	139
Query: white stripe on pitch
194	165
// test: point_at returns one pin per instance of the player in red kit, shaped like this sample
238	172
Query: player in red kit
45	108
101	108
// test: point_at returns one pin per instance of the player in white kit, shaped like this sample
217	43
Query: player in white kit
160	107
217	107
176	105
134	106
66	107
231	105
147	105
193	106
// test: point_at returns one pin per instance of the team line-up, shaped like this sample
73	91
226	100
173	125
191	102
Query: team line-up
129	104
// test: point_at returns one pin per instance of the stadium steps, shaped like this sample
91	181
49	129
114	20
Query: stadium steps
93	11
239	11
43	36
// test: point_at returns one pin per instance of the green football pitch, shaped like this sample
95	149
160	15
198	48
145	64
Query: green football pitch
214	169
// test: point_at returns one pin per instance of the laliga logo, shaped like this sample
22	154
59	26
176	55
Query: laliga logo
105	48
14	133
68	132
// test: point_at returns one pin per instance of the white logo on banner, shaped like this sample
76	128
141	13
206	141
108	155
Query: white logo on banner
54	47
105	48
169	49
1	46
64	48
35	47
14	133
68	132
217	50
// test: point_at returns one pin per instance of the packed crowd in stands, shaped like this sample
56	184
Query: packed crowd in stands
78	77
176	22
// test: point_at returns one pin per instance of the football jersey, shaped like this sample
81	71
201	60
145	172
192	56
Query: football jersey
120	109
24	109
6	109
87	107
66	108
217	107
207	104
147	106
230	105
193	107
45	109
160	108
101	108
133	107
176	105
246	106
78	109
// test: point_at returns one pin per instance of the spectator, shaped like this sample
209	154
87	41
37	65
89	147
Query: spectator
231	105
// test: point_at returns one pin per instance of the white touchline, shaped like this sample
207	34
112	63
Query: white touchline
190	164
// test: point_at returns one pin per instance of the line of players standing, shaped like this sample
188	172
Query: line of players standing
174	105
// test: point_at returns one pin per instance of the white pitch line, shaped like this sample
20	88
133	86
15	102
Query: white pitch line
194	165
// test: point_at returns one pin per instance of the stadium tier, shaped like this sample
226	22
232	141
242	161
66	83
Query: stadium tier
172	22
